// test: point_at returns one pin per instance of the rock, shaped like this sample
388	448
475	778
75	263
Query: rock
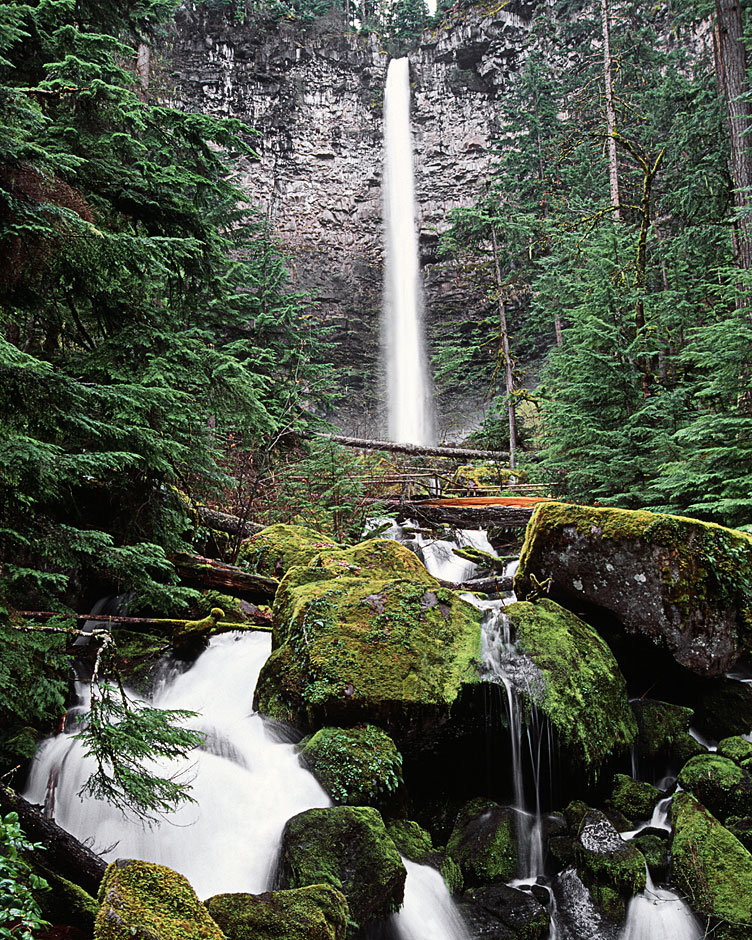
719	784
278	548
380	559
316	912
484	843
351	649
414	843
65	902
712	868
578	914
677	581
143	901
741	827
653	843
724	708
633	798
524	916
736	748
580	687
347	847
663	729
356	766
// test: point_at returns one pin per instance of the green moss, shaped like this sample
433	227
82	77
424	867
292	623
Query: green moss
703	566
741	827
604	858
232	606
736	748
65	903
663	729
655	850
609	901
720	784
316	912
278	548
487	475
414	843
356	766
196	632
484	843
712	868
380	559
358	649
141	900
584	693
633	798
348	848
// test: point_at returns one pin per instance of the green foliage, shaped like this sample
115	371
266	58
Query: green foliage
20	915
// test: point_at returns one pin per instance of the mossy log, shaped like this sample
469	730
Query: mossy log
224	522
257	621
64	854
464	453
208	573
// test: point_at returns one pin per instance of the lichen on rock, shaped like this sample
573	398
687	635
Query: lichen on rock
684	584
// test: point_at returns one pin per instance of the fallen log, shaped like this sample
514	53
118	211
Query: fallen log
436	513
486	585
64	854
224	522
197	571
258	619
464	453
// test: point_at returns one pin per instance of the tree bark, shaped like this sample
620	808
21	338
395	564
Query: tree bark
464	453
508	374
64	854
613	166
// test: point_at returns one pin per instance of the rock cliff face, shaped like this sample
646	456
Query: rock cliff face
315	96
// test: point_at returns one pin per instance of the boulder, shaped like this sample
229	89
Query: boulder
316	912
347	847
654	844
719	784
676	581
356	766
351	648
415	844
724	708
484	843
143	901
519	912
712	868
579	686
633	798
663	730
280	547
736	748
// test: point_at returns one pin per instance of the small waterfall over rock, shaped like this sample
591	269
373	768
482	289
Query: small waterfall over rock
659	914
429	912
408	385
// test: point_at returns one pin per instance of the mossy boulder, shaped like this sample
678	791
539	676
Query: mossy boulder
143	901
379	559
607	864
350	648
356	766
682	583
278	548
719	784
484	843
712	868
349	848
736	748
580	689
316	912
633	798
663	729
654	845
416	845
724	708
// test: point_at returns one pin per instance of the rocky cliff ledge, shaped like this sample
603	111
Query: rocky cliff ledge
314	94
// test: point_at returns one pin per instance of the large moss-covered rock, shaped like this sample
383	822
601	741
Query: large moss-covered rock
736	748
144	901
347	847
580	687
663	729
352	648
719	784
484	843
280	547
677	581
380	559
316	912
712	868
356	766
633	798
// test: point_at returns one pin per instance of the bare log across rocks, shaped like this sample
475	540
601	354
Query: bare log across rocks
486	585
64	854
208	573
464	453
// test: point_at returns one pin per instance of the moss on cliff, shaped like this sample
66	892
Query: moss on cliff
141	901
316	912
712	868
584	693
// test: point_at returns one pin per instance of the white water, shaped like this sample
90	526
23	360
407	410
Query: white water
246	784
438	554
659	914
409	392
429	912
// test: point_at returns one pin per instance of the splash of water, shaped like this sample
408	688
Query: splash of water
659	914
408	385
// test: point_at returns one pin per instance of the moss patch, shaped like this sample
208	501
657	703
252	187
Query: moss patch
414	843
484	843
584	694
317	912
604	859
141	901
278	548
380	559
356	766
718	783
663	729
737	749
712	868
633	798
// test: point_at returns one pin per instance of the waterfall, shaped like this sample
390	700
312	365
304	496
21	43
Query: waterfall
429	912
408	386
658	914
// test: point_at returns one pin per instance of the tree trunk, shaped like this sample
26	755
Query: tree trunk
507	358
731	75
64	854
143	69
435	514
613	167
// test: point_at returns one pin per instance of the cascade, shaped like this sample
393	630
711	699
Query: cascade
408	386
437	554
659	914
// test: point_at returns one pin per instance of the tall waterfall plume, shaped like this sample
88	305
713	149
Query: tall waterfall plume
408	384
